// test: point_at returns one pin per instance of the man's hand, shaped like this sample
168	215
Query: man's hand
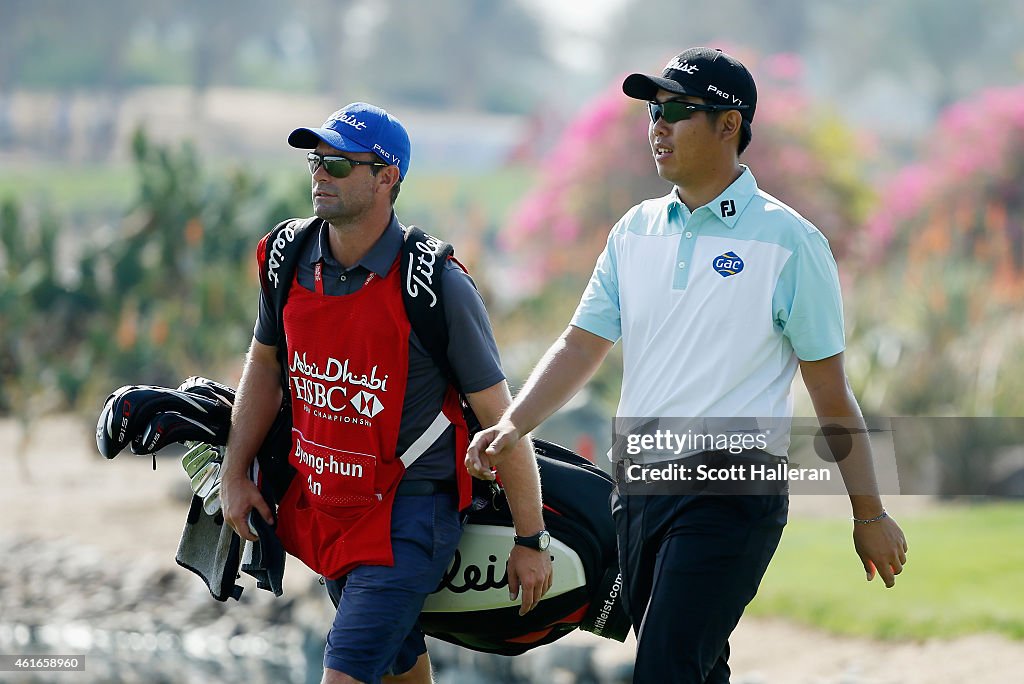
490	447
882	548
502	446
238	497
529	570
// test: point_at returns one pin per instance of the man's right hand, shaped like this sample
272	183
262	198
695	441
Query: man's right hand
490	447
238	497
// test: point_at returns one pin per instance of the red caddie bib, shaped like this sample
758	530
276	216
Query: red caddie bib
348	361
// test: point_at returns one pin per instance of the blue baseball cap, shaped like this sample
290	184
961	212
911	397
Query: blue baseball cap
360	127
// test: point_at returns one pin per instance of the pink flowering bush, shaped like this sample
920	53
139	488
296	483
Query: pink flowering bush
599	168
935	326
964	201
602	166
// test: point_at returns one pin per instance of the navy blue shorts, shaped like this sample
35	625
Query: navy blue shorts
375	631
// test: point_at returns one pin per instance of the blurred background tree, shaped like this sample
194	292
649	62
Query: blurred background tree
945	260
934	322
486	56
167	292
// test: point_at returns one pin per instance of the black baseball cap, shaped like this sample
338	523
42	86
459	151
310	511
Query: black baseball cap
702	72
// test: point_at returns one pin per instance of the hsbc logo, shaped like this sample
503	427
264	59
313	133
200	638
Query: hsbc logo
366	404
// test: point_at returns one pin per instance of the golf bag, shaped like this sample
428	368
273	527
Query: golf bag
471	606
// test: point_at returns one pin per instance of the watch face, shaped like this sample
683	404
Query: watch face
543	541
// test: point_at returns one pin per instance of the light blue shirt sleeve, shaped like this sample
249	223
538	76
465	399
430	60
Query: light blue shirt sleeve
598	311
808	303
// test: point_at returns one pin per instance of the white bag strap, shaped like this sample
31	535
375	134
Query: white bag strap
425	440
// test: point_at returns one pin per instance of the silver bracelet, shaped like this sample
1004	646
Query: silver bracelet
871	520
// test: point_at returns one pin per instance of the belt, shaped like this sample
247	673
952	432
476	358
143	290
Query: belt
426	487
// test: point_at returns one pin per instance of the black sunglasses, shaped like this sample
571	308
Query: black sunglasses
339	167
678	110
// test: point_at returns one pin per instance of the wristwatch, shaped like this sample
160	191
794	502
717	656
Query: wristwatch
537	542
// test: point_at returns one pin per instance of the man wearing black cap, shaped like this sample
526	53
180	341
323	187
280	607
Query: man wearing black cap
719	293
378	432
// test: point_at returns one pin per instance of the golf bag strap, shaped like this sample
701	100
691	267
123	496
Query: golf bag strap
423	442
423	261
278	255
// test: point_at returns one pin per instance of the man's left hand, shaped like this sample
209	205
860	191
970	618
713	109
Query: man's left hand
882	547
529	570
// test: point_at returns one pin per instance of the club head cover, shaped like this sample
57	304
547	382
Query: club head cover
211	389
111	436
170	426
131	409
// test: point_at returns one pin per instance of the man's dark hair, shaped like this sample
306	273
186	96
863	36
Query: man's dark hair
395	189
745	135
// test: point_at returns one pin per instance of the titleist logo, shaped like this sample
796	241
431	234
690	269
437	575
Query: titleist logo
474	578
350	120
421	269
606	607
276	256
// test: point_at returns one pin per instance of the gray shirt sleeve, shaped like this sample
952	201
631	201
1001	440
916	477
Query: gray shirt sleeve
472	351
265	331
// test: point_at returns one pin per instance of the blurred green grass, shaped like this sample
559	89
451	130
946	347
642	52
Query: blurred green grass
965	574
496	192
69	188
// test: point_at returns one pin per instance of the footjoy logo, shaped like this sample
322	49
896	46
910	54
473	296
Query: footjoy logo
728	208
728	264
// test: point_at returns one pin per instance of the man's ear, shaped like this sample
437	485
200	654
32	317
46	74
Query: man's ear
388	177
730	124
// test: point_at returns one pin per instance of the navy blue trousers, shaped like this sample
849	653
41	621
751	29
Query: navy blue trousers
690	565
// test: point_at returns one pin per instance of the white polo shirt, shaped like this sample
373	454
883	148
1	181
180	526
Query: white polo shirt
714	307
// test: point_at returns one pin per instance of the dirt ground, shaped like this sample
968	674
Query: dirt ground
60	488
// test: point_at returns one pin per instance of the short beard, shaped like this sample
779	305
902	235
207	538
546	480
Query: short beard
340	213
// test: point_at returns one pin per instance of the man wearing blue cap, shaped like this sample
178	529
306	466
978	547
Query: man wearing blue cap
719	292
378	431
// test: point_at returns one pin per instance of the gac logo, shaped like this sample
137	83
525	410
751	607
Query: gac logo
727	264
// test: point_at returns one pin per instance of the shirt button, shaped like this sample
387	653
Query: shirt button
682	264
342	277
689	235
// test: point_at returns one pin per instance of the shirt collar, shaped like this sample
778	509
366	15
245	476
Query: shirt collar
378	259
727	206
